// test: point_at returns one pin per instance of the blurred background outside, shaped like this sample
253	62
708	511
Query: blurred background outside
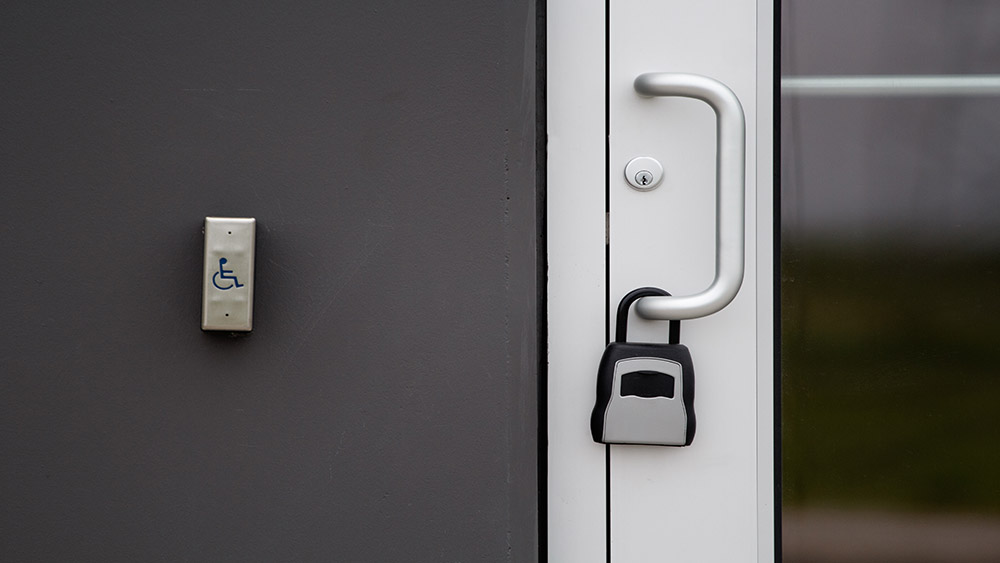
890	287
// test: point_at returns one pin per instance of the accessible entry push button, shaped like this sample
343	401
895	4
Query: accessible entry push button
227	294
224	274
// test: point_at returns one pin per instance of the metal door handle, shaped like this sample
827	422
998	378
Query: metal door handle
730	187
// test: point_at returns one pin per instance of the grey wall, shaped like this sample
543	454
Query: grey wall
384	408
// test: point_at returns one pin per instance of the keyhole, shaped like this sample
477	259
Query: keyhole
643	173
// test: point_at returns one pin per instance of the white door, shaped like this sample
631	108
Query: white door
712	501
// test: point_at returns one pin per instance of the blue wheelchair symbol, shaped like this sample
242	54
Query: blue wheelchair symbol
224	274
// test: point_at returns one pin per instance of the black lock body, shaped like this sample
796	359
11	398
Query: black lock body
645	391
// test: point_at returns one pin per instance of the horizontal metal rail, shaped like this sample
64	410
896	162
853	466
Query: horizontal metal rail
890	86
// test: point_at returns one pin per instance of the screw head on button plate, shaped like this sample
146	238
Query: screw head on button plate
643	173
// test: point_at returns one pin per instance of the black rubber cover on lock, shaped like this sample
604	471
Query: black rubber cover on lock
606	375
620	349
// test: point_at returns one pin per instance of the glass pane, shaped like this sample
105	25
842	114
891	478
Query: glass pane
890	286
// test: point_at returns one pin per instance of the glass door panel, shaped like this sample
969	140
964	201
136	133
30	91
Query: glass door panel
890	187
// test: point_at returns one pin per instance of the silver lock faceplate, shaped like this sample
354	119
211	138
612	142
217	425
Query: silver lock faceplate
646	420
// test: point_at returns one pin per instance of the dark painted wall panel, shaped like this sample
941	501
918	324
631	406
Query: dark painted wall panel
384	407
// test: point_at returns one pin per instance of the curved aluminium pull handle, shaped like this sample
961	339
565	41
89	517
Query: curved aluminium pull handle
730	189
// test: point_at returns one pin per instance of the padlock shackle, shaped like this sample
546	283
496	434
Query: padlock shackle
621	319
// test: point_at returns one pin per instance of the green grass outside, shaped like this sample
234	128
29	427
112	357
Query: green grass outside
891	378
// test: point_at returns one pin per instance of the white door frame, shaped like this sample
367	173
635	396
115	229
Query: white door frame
712	501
